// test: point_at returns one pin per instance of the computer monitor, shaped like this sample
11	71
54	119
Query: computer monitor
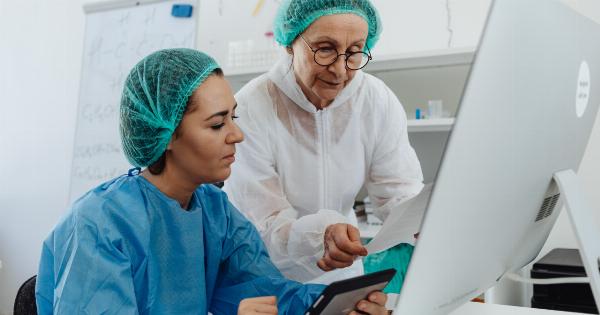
527	111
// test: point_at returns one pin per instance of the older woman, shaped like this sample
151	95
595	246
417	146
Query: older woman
163	242
318	128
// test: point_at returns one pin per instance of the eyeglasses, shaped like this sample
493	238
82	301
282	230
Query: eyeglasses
326	56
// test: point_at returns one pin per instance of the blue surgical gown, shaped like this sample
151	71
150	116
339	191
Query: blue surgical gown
126	248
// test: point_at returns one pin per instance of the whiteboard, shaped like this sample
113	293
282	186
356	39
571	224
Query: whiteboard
238	34
117	36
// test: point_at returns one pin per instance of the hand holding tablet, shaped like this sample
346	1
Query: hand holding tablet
342	297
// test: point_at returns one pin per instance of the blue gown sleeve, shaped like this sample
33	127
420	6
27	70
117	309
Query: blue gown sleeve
247	271
84	270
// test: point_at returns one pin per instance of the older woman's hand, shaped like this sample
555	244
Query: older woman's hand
258	305
342	246
374	304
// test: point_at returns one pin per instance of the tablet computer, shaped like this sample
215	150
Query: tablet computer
341	297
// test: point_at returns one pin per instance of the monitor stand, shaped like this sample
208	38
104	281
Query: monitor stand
584	224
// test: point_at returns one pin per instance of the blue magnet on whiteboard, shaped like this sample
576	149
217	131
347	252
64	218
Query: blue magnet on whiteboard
182	10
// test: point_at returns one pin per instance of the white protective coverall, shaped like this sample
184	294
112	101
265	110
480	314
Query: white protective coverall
299	169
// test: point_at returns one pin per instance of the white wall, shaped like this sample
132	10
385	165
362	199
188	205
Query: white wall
40	52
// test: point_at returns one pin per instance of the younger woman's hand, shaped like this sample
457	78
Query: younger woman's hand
374	304
258	305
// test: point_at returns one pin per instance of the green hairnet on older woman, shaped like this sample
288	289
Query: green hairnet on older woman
294	17
317	130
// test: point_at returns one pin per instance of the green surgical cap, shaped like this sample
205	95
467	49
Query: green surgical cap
154	99
294	16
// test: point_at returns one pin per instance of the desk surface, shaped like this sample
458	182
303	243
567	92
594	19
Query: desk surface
495	309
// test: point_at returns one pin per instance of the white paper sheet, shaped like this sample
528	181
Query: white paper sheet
402	224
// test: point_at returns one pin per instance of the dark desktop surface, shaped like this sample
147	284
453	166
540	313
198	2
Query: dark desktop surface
574	297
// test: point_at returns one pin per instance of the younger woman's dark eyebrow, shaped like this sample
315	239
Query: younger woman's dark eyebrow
221	113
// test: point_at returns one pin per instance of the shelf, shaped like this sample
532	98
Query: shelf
386	63
430	125
422	59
